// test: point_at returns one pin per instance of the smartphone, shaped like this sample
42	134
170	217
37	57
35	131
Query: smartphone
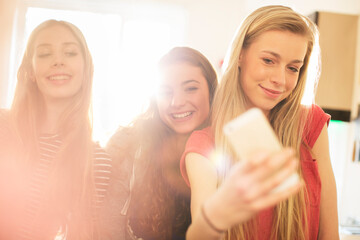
250	133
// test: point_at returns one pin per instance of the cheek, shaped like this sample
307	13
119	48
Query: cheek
36	71
204	104
83	78
32	76
244	84
161	106
80	65
291	84
39	64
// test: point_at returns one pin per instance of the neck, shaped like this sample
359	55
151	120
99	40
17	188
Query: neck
52	113
173	147
267	113
181	140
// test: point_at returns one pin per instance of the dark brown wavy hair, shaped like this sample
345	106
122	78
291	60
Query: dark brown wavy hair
158	209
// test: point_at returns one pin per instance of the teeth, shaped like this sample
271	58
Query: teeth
182	115
59	77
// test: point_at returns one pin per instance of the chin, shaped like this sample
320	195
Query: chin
183	131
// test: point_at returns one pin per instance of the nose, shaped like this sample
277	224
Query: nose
177	100
279	76
58	60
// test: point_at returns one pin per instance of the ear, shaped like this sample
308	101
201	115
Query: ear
240	59
32	76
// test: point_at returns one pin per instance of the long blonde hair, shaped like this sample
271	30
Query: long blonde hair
72	181
287	117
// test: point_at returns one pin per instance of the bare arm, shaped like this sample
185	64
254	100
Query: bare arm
245	191
328	228
203	179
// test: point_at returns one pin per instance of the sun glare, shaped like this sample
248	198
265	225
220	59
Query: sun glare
125	51
312	77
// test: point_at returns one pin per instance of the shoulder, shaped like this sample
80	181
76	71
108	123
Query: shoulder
100	155
102	163
201	139
315	114
5	123
118	139
316	118
200	142
119	143
10	142
4	117
318	113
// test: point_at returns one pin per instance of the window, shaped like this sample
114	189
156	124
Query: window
126	44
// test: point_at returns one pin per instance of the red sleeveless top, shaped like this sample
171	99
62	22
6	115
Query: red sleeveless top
202	142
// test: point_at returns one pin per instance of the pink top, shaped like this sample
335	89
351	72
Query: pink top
202	142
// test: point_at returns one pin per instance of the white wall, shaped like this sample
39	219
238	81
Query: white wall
210	23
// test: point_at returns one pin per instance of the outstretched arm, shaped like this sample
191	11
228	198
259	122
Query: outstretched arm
246	190
203	179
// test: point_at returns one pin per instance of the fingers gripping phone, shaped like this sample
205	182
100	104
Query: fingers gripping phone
250	133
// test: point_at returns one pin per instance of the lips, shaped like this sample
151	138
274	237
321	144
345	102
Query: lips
180	116
59	77
270	92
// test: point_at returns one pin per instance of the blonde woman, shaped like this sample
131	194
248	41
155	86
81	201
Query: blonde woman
54	177
266	68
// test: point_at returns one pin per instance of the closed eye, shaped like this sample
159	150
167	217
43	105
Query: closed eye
43	55
191	89
294	69
71	54
267	61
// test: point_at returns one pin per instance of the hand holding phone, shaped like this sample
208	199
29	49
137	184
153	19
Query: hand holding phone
250	133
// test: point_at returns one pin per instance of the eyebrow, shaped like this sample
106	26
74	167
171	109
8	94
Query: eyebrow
65	43
278	56
190	81
164	85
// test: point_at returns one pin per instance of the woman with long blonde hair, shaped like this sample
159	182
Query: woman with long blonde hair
56	177
266	68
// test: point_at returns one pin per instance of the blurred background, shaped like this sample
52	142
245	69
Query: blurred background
127	38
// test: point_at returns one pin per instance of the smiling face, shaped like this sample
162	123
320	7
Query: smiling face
270	68
183	98
58	63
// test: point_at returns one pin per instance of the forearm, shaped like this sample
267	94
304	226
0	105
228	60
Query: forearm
203	180
328	229
200	229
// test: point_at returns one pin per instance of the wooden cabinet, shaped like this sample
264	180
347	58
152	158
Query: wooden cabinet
338	88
